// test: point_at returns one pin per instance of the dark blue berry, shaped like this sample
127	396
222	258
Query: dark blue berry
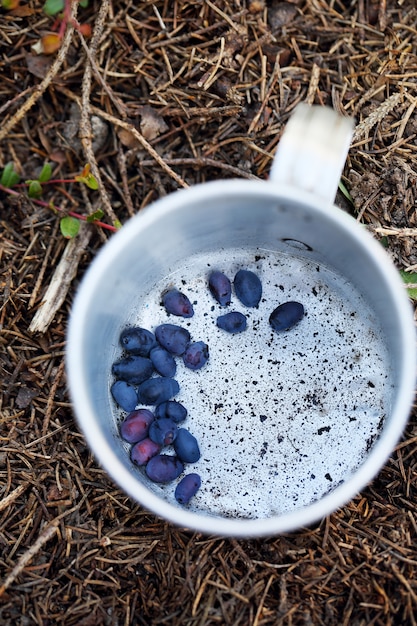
137	340
124	394
233	322
163	431
187	488
177	303
157	390
172	409
143	451
286	315
135	426
220	287
186	446
133	369
163	361
196	355
248	288
173	338
164	468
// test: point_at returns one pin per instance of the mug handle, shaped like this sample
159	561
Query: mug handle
312	151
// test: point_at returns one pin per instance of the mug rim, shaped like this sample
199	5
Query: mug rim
83	408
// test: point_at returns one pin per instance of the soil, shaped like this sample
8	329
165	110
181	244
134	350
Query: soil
163	95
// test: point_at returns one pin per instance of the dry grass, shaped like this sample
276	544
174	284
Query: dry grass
188	92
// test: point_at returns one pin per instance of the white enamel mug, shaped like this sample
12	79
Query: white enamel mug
290	425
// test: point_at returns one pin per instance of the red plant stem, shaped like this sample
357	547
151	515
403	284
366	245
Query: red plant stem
11	192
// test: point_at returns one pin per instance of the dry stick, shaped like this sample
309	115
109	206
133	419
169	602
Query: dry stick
61	281
85	110
45	536
207	162
47	533
144	143
52	72
134	131
5	502
51	397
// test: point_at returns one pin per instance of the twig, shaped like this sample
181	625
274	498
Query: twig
52	72
206	162
85	110
61	281
134	131
12	496
47	533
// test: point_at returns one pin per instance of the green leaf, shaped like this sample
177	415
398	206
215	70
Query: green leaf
345	192
410	280
52	7
97	215
35	189
46	173
69	226
88	180
9	176
409	277
84	3
117	224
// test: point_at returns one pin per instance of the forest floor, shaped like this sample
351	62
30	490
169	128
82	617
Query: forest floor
161	95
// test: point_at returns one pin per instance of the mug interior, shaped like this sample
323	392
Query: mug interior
228	216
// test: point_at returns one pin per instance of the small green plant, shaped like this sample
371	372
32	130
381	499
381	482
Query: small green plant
410	280
70	223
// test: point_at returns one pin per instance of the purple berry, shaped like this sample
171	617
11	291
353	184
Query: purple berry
248	288
164	468
133	369
187	488
163	431
220	287
124	394
143	451
177	303
186	446
137	340
196	355
157	390
172	409
286	315
173	338
233	322
135	427
163	361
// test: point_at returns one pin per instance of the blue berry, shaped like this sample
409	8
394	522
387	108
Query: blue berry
163	431
173	338
157	390
220	287
233	322
163	361
135	426
143	451
248	288
196	355
137	340
164	468
187	488
186	446
172	409
286	315
177	303
133	369
124	394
